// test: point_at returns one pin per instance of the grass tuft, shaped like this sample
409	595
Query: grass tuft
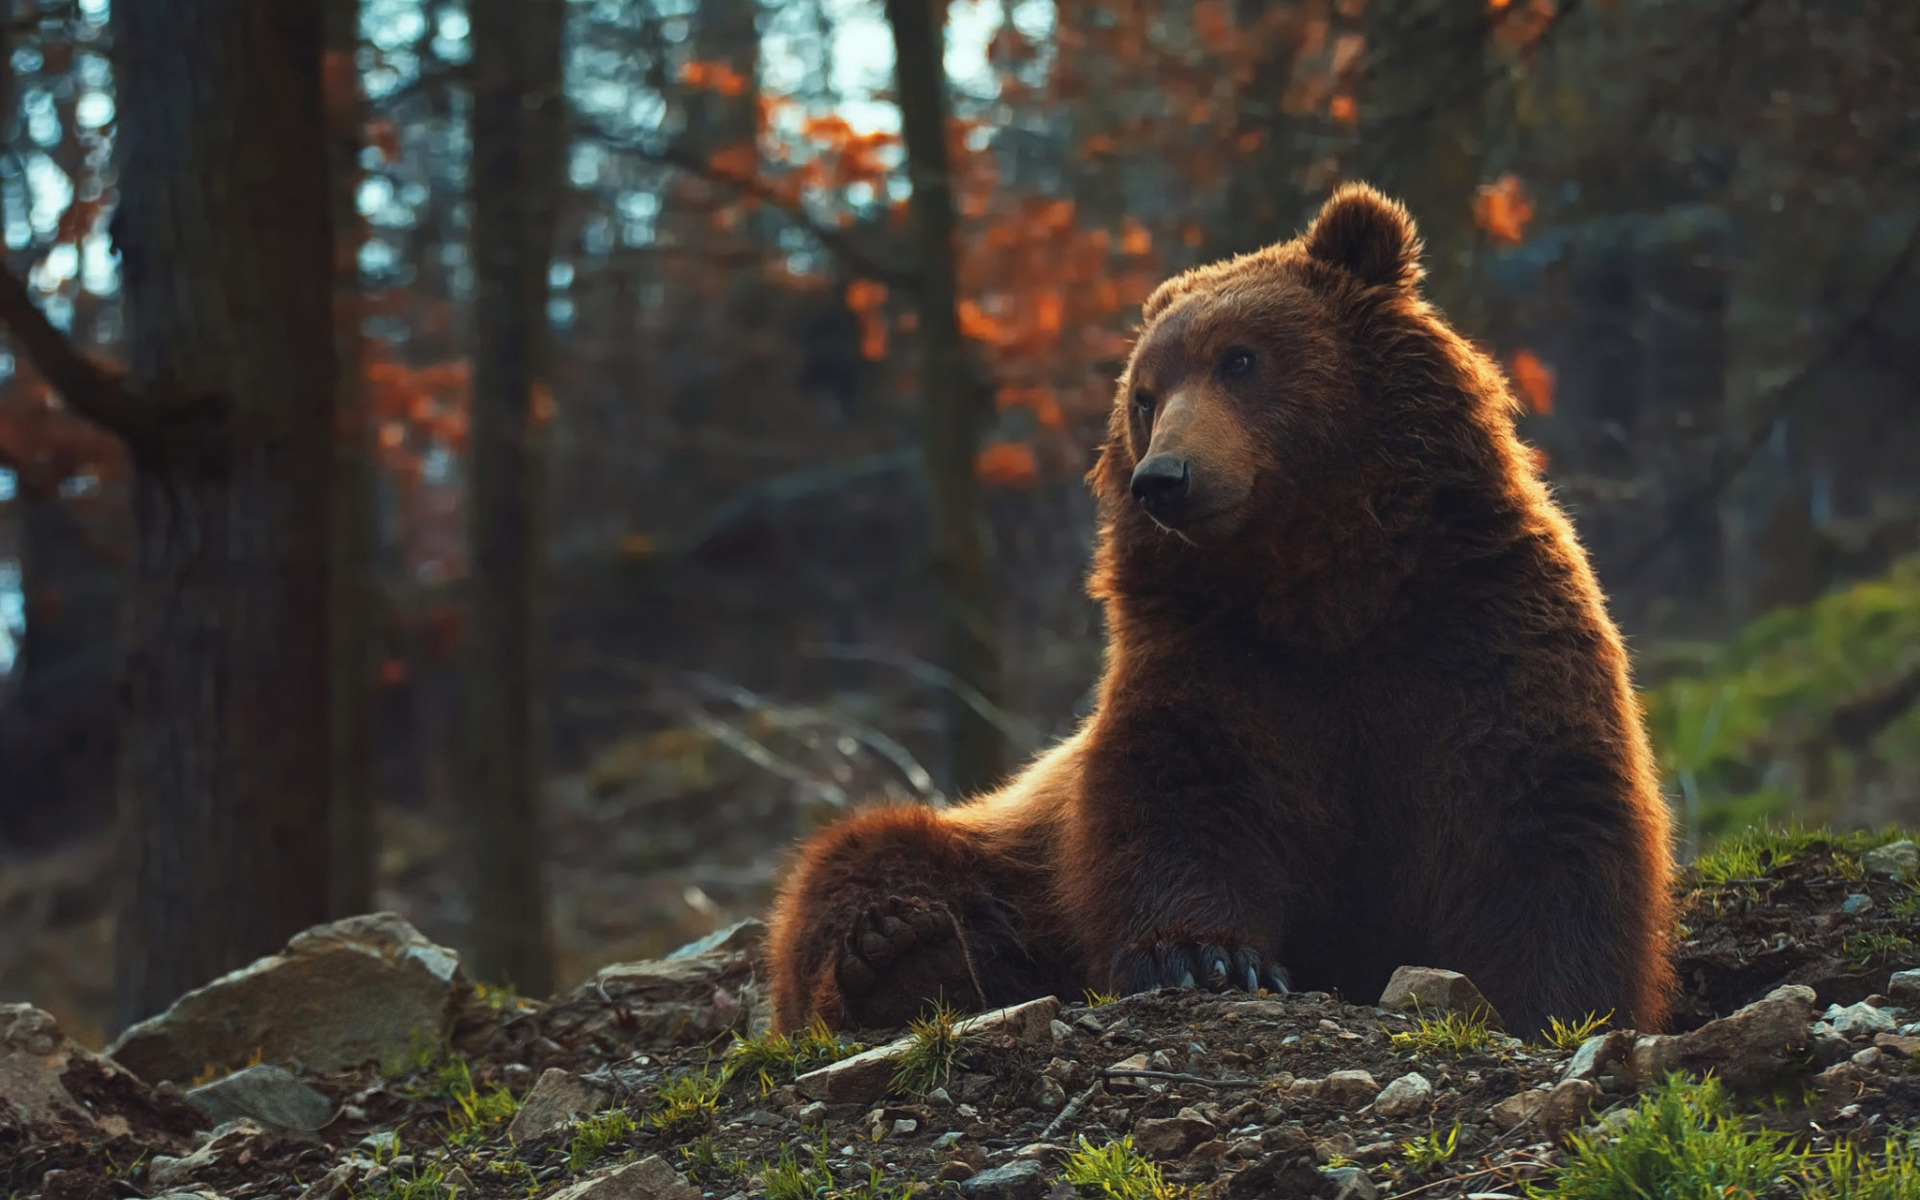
1450	1033
1116	1171
686	1103
933	1052
1101	999
1848	1173
790	1177
474	1114
1684	1142
1431	1149
776	1058
592	1136
1571	1035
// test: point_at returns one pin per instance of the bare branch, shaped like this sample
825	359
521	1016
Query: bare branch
83	385
837	242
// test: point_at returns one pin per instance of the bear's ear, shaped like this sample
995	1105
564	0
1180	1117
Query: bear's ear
1368	236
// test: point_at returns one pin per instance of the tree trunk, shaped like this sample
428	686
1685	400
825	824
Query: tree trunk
354	598
1423	124
517	110
953	404
225	248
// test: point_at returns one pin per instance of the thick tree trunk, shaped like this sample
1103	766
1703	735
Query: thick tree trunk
354	599
1422	133
953	404
225	247
517	110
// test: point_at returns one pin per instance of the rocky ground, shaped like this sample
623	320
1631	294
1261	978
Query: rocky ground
361	1062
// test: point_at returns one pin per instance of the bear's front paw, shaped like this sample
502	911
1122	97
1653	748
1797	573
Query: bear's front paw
1171	963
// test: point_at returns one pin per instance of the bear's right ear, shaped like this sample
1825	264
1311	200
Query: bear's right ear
1368	236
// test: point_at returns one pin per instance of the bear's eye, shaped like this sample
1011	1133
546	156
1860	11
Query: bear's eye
1237	361
1143	400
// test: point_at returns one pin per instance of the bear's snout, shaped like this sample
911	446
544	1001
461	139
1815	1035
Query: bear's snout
1161	483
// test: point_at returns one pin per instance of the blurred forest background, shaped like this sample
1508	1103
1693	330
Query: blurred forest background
524	462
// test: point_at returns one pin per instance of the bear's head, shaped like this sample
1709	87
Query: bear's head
1258	388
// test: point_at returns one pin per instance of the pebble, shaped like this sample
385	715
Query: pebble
1856	904
1895	860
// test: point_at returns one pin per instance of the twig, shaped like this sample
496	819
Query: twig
1072	1110
1449	1179
85	387
1178	1077
765	759
1783	401
1021	733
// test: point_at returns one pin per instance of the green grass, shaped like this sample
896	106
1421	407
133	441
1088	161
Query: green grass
1847	1173
472	1114
1571	1035
421	1181
1869	950
1115	1171
791	1177
933	1052
1451	1033
686	1103
1430	1149
1750	853
594	1135
776	1058
1684	1142
702	1154
1101	999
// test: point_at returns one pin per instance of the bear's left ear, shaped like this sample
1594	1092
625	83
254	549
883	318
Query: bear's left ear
1367	235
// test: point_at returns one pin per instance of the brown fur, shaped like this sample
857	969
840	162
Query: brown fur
1363	705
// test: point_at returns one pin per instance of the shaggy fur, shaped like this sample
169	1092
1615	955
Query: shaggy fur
1363	705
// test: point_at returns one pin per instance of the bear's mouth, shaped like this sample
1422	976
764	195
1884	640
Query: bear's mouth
1201	529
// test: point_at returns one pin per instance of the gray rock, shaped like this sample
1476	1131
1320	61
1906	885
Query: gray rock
1601	1055
1023	1179
813	1115
167	1172
1406	1096
744	937
1856	904
1904	985
1752	1047
692	996
649	1179
1895	860
1345	1089
1173	1137
1351	1183
338	995
866	1076
1566	1106
1433	990
1858	1020
1060	1030
267	1094
559	1098
38	1063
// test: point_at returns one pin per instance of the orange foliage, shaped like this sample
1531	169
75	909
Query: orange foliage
1535	381
1503	210
1521	23
1010	464
384	136
714	77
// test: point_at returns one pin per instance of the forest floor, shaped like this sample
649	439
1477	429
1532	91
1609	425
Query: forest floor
619	1089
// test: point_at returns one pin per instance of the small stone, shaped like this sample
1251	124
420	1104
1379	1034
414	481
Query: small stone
1023	1179
1340	1145
1904	985
1060	1030
1856	904
1566	1106
1119	1081
1049	1094
1869	1058
1895	1044
558	1098
1895	860
905	1126
813	1115
1349	1089
1404	1097
1045	1153
1859	1020
1173	1137
267	1094
1516	1111
1430	990
228	1143
1351	1183
652	1178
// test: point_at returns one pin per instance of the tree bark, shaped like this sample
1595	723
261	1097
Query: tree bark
225	249
517	112
953	404
354	598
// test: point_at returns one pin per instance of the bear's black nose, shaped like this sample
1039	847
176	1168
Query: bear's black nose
1160	484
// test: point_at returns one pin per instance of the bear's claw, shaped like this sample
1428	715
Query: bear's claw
1171	964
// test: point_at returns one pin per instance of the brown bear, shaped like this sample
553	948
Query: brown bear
1363	705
